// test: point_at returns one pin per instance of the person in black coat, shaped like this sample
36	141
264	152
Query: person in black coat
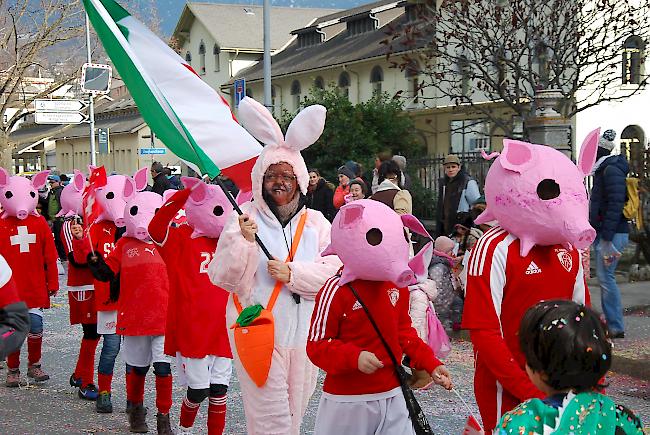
320	196
608	197
160	181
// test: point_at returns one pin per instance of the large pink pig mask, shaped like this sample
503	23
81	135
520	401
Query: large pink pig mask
538	195
370	240
139	210
71	196
19	195
207	209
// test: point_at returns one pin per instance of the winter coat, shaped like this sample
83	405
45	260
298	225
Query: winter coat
440	272
608	196
461	192
339	196
160	184
321	199
597	414
421	294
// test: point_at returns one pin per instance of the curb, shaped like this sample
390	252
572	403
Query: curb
639	369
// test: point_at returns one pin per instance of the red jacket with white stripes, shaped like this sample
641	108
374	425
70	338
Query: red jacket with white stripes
340	330
501	286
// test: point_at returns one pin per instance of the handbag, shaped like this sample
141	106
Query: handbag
418	419
437	337
254	330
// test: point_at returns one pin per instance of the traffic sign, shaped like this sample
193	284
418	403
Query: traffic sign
102	134
59	105
59	118
96	78
240	90
144	151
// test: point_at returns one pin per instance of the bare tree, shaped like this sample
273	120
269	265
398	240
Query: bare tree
35	37
469	52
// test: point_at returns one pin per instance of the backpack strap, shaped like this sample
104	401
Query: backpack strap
279	284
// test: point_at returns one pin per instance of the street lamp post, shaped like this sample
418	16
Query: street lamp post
91	106
267	55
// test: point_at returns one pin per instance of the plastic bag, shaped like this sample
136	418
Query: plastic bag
437	338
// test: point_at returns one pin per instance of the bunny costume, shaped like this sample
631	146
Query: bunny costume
240	267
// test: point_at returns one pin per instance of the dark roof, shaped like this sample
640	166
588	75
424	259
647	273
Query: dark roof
340	49
356	11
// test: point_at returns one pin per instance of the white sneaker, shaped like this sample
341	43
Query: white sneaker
59	266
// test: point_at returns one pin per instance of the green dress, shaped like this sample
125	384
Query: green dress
570	414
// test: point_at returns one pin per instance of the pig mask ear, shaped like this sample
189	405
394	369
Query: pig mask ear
413	224
351	214
419	264
40	179
200	191
129	189
4	177
78	181
588	152
517	156
140	178
259	122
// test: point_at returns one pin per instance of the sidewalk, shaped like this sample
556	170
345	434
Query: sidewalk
631	354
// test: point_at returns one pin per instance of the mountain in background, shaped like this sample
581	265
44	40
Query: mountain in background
169	11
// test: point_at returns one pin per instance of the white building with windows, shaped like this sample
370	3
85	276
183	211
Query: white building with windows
219	40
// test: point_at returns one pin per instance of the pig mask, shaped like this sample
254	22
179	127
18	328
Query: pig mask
538	195
19	195
207	209
370	240
71	196
139	209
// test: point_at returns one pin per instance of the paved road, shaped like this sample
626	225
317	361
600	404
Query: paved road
53	408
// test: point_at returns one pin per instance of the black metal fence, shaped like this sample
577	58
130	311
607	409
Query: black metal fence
428	172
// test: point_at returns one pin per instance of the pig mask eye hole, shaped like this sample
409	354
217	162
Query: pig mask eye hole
548	189
374	236
133	210
8	195
218	210
32	194
110	195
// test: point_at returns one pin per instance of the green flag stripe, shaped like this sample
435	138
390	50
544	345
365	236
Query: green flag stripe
176	138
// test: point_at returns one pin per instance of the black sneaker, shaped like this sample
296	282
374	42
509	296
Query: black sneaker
614	335
75	382
89	392
104	404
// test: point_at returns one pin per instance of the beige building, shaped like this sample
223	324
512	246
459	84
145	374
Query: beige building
219	40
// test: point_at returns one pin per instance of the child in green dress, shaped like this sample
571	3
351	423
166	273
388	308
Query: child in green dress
567	354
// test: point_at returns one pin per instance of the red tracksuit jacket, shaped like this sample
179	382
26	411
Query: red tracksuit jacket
340	330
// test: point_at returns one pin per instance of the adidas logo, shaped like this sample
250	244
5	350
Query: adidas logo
533	269
356	306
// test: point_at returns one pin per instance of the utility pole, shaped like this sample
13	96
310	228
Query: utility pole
91	106
267	55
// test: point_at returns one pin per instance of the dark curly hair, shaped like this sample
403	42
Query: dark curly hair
568	343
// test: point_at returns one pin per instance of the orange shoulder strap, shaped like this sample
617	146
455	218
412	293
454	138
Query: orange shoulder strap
279	284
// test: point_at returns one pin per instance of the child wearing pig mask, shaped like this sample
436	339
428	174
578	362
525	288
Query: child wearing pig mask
361	392
26	242
279	181
142	301
538	197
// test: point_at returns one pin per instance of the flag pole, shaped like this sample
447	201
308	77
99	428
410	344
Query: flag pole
240	212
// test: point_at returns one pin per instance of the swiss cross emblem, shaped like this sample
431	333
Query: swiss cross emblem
565	259
23	239
393	295
133	252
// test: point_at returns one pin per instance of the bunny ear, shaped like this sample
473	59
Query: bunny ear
259	122
79	181
588	152
140	179
306	127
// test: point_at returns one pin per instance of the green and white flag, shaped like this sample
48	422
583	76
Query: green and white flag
186	114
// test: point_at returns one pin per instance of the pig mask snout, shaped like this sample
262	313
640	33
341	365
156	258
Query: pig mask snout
21	214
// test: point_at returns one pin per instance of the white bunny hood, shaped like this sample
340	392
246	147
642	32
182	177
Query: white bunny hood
303	131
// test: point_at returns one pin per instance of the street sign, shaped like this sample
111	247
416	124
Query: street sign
144	151
240	90
59	105
96	78
102	143
59	118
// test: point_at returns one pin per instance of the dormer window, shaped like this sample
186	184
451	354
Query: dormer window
311	38
362	24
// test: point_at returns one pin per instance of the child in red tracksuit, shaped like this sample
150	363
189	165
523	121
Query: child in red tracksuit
142	311
361	393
